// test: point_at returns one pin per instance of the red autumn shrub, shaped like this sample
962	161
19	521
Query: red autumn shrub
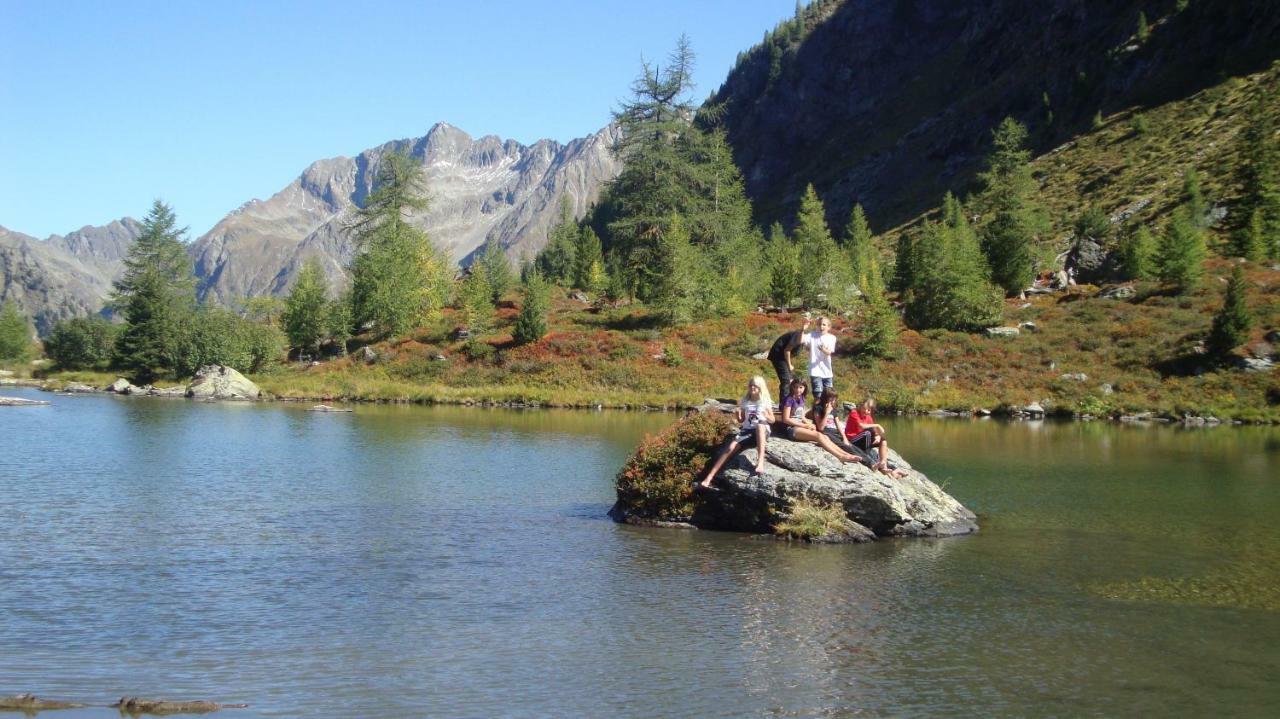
657	480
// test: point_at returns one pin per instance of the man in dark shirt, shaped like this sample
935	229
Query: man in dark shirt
780	357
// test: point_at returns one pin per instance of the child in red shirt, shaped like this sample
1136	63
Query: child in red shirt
863	432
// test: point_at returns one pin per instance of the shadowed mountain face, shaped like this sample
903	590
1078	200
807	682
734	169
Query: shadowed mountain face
63	276
891	103
479	190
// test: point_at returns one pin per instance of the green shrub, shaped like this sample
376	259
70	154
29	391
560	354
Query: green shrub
82	343
657	480
15	334
671	356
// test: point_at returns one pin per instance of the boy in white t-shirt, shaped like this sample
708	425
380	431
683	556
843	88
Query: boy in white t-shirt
822	345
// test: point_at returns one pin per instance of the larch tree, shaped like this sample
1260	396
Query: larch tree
398	278
306	309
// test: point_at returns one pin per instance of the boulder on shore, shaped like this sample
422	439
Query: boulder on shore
795	473
221	382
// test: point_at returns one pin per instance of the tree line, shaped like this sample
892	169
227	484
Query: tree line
673	231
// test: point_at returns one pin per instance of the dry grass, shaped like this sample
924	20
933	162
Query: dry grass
808	519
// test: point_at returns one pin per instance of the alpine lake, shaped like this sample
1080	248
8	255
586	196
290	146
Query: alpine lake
409	561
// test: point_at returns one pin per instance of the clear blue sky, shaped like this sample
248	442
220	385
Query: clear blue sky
105	106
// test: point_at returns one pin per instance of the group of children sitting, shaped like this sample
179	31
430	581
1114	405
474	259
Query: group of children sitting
756	420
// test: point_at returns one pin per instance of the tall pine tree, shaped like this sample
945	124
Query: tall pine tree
1009	196
399	278
306	314
1180	255
824	269
156	295
950	289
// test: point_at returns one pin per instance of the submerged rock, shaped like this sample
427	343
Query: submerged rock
221	382
134	705
33	703
20	402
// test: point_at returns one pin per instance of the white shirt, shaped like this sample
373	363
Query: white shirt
751	414
819	361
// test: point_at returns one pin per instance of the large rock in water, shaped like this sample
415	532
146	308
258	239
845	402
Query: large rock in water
881	506
907	506
221	382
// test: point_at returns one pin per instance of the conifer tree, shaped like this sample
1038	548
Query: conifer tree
399	279
950	288
339	322
1009	195
675	288
824	269
1260	144
879	320
858	246
588	262
497	270
675	166
15	334
784	267
156	295
306	314
904	263
475	299
556	261
1193	197
531	323
1180	255
1232	323
1137	255
1252	242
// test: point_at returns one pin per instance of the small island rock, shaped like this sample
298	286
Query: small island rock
221	382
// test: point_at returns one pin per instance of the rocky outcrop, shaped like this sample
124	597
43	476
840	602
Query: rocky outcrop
887	506
221	382
479	190
795	474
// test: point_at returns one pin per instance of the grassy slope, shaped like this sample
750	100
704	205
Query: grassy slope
1144	348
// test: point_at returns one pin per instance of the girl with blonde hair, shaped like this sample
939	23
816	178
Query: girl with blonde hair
754	415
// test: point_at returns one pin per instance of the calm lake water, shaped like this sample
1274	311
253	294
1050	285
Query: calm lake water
414	561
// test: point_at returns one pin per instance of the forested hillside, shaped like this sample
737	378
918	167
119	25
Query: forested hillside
891	104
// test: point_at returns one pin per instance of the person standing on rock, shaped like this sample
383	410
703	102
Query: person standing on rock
755	414
780	357
822	345
798	429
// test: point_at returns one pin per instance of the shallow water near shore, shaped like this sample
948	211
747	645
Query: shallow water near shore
446	561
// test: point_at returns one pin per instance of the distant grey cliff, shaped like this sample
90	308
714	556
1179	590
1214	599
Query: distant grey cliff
63	276
485	189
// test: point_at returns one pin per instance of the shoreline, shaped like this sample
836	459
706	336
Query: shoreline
1000	413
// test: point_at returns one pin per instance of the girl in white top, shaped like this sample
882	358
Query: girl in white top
755	414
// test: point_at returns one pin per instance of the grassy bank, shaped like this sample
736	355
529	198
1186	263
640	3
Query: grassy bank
1085	355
